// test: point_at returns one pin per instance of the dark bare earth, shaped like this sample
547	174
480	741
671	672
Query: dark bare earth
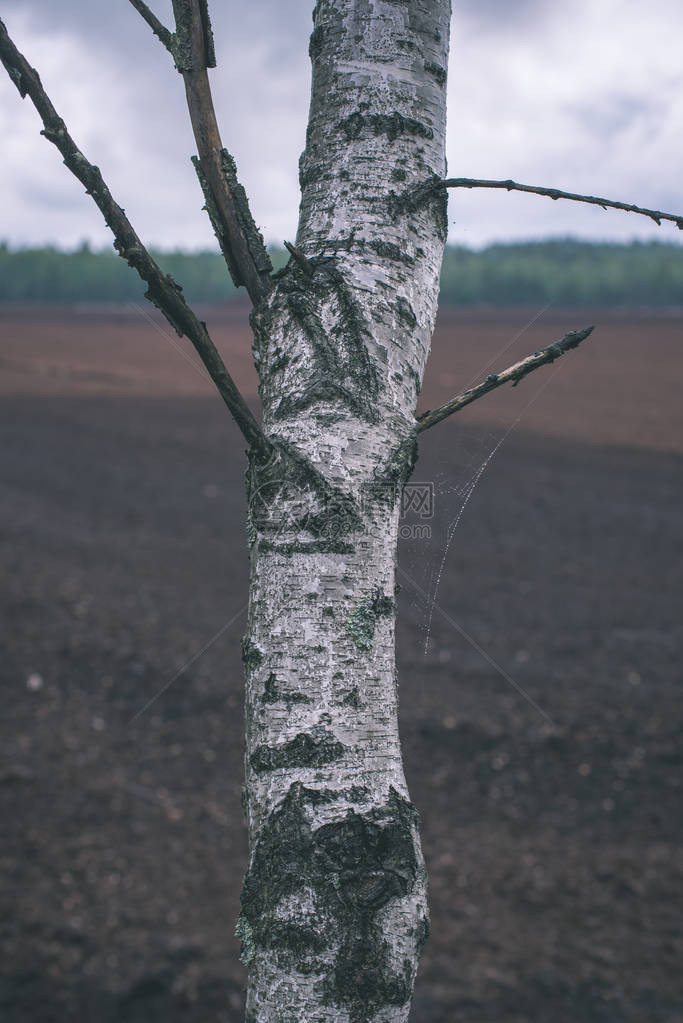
542	727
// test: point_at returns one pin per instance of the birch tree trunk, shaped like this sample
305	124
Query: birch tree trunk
334	911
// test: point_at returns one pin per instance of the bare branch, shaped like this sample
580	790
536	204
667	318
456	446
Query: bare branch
162	290
159	30
192	49
194	36
555	193
226	201
513	373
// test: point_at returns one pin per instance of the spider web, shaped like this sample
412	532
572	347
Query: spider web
463	493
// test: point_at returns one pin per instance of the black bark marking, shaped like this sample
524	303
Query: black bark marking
315	43
390	476
302	751
392	125
288	480
342	368
416	379
352	698
437	71
388	250
405	313
272	693
344	872
270	690
426	195
251	655
310	547
422	933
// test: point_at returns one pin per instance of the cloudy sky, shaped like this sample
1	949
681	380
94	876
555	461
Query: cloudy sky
585	96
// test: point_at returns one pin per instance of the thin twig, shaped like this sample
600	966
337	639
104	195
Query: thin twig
162	290
156	26
555	193
512	374
226	202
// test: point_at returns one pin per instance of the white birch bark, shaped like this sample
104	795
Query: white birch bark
334	902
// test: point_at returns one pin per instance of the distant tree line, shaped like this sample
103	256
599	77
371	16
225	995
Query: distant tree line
563	271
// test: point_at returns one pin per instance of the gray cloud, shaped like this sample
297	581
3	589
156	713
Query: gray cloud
503	15
617	112
283	23
593	103
107	22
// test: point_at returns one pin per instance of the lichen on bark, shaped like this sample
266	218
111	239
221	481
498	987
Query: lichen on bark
361	622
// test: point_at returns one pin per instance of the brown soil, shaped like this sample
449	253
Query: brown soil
542	725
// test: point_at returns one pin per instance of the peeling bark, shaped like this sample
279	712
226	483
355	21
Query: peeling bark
334	911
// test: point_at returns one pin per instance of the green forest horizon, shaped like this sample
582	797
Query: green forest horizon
564	271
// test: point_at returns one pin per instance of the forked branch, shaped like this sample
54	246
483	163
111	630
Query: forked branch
513	374
191	47
555	193
162	290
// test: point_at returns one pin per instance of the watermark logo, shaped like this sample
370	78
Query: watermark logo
416	511
330	517
418	498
